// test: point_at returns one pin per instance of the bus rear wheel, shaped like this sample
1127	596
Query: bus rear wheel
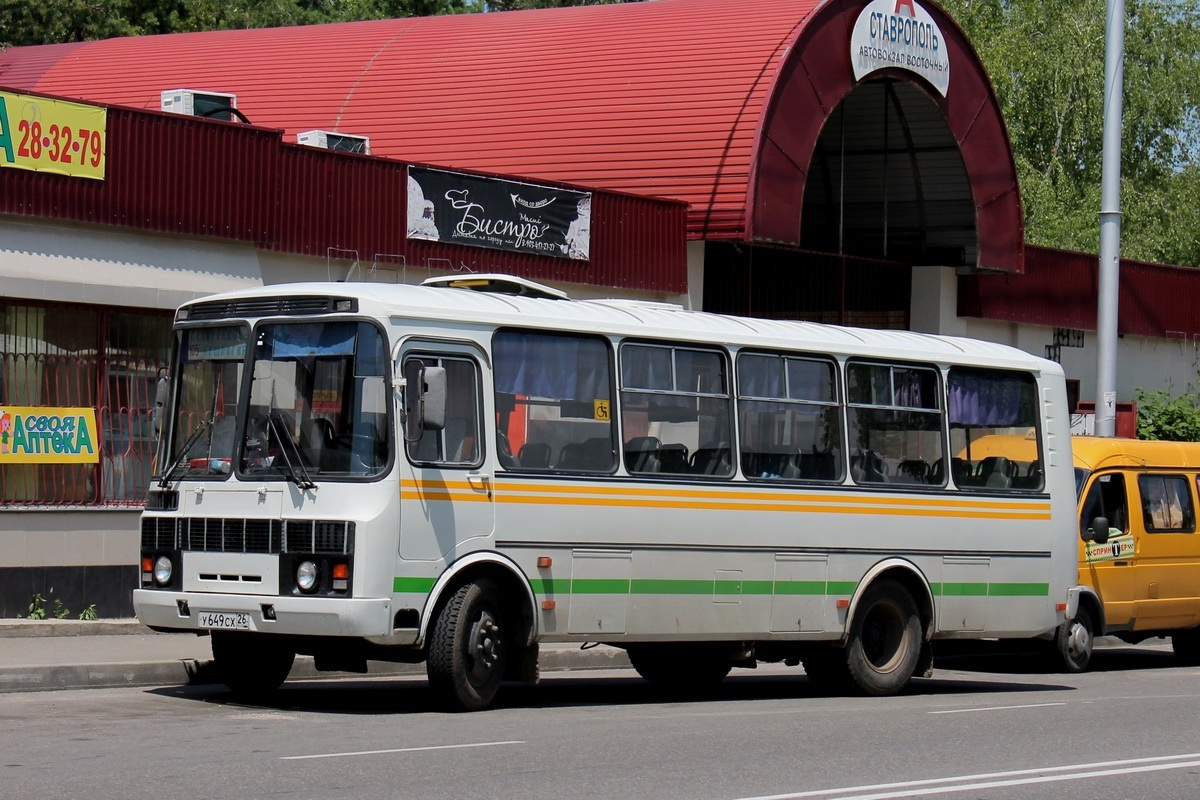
884	644
467	653
252	665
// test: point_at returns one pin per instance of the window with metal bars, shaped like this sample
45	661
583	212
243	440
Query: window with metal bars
57	355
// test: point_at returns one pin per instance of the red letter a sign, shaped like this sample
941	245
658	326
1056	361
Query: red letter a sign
912	12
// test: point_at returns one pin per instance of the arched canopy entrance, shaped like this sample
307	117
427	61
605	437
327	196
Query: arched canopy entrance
885	167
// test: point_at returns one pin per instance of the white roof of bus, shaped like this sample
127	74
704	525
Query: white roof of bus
639	319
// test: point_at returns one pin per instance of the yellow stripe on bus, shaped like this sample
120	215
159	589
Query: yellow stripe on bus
730	501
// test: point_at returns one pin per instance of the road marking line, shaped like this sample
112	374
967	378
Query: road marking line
987	779
994	708
397	750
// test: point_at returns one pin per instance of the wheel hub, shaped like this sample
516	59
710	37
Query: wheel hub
484	644
1079	642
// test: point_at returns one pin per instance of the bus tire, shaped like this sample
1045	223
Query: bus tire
1073	641
1186	645
467	652
252	665
679	667
884	643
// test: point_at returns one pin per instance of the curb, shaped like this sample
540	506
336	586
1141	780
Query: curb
193	672
38	628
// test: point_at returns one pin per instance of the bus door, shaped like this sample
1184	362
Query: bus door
447	501
1167	560
1108	567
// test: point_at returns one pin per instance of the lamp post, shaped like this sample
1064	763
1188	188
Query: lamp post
1110	222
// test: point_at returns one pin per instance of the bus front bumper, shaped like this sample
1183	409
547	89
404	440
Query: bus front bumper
306	616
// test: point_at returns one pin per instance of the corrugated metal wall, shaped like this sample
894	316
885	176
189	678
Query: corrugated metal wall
165	173
184	175
1059	289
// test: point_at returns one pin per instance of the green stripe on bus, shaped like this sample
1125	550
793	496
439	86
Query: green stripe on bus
964	590
413	585
1019	589
546	586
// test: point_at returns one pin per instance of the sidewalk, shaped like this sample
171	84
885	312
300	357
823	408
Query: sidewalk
68	654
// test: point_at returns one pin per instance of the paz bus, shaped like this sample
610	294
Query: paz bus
456	472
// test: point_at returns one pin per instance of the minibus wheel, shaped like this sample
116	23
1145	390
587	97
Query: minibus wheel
252	665
884	643
1074	640
1186	645
467	654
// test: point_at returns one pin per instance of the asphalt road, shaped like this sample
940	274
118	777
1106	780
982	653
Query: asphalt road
981	728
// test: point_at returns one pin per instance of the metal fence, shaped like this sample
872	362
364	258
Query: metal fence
66	355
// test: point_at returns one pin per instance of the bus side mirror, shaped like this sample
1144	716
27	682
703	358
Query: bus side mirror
161	391
424	399
1098	533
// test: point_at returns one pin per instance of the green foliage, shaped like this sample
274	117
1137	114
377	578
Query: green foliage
59	611
37	608
88	613
1167	417
1046	60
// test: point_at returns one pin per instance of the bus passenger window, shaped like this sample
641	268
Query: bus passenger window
895	418
789	424
994	442
553	402
1166	503
675	409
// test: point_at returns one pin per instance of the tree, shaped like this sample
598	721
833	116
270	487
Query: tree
1046	60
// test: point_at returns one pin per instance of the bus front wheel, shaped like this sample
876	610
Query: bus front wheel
252	665
884	644
467	655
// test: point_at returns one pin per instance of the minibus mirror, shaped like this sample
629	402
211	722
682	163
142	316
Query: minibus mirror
1098	533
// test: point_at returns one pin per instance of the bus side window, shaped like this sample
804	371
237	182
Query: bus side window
553	402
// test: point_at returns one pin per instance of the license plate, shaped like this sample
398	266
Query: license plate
225	620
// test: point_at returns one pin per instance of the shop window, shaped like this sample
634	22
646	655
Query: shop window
92	357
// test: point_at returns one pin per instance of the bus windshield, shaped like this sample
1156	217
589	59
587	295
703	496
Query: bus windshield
211	363
318	402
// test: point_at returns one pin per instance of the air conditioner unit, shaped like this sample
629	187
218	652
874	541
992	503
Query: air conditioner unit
332	140
211	105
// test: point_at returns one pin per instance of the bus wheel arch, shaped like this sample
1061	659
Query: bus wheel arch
479	631
889	626
514	588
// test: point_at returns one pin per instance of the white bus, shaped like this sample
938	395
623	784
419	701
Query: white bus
456	472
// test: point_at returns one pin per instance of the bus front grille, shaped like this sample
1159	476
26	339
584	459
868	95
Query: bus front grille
213	535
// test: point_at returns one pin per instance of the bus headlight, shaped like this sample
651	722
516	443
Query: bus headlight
163	568
306	576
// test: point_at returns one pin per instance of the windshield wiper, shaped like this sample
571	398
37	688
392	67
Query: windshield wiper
165	480
296	473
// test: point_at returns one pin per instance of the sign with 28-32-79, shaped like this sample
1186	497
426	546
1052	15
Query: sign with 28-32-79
58	136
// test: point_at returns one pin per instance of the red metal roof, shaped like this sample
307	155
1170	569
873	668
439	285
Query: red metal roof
660	98
717	103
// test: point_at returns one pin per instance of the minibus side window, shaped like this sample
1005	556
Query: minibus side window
1167	504
1106	498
